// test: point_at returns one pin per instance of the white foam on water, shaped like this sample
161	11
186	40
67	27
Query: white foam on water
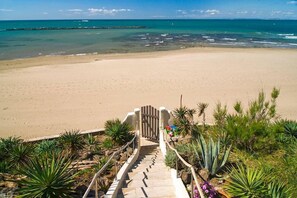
229	39
293	44
291	37
237	43
205	37
285	34
164	35
82	54
210	40
265	42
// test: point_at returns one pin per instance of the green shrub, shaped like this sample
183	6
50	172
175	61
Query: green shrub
47	148
107	143
91	144
119	132
103	160
170	159
252	129
187	152
45	177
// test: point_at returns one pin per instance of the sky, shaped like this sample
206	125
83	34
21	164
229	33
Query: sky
147	9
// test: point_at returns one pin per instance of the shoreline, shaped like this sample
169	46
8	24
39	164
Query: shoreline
48	95
36	61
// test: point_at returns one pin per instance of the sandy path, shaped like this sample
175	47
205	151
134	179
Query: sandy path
49	99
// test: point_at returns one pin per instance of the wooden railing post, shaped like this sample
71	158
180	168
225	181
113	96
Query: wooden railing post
96	188
192	190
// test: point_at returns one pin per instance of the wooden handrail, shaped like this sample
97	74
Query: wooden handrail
105	165
189	166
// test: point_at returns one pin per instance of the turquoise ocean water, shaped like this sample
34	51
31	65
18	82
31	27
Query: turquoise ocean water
21	39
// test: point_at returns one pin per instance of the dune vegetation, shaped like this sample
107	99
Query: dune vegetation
248	152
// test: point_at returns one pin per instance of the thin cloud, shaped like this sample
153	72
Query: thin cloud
198	13
6	10
292	2
242	12
183	12
212	12
75	10
104	11
278	12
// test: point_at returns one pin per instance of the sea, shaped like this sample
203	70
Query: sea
33	38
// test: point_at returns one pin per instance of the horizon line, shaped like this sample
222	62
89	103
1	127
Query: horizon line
150	19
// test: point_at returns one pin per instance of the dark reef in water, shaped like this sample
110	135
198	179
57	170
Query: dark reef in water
76	28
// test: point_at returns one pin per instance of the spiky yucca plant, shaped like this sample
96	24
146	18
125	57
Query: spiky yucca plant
6	145
246	183
91	143
118	131
210	155
20	154
184	119
72	141
201	111
46	177
277	190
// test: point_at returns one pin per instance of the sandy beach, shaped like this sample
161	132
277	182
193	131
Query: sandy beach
47	95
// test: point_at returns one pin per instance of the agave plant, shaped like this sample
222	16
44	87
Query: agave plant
118	131
246	182
72	141
45	177
210	155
